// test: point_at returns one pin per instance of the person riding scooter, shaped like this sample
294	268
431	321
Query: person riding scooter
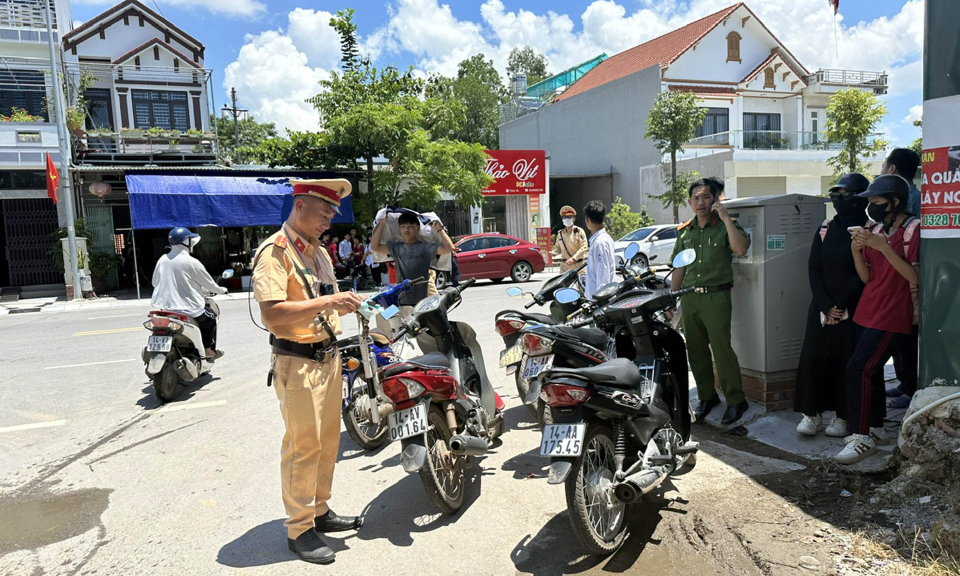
180	283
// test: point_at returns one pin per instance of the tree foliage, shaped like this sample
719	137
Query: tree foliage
478	91
252	135
671	123
917	144
621	220
852	118
349	47
676	194
528	61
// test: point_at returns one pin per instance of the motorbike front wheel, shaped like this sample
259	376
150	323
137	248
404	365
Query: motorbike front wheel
362	431
597	516
442	473
166	383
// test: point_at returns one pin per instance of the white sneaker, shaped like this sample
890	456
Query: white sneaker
837	428
809	425
856	448
879	436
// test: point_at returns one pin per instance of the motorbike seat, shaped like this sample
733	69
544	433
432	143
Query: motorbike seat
617	373
429	361
590	336
352	341
530	317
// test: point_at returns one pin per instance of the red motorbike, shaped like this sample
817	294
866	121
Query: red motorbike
445	406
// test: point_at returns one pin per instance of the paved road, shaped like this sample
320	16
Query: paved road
98	478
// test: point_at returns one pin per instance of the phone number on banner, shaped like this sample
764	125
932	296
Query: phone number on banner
941	220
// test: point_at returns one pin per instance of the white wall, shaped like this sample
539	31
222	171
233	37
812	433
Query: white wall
708	62
121	39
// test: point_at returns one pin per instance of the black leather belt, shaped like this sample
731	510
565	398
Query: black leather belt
318	352
708	289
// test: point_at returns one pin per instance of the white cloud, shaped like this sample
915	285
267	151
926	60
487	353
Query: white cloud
916	112
429	32
225	7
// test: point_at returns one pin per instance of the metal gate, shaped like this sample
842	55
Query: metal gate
99	220
28	225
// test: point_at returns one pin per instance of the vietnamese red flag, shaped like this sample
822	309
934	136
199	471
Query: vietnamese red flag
835	4
53	179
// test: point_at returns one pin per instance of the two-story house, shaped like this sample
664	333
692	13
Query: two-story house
148	101
27	133
763	132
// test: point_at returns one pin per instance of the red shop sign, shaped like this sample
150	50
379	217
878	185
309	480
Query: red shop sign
516	172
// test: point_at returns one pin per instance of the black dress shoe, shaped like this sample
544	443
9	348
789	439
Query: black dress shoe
704	408
310	548
734	413
330	522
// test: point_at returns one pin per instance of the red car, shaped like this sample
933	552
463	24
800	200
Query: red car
496	256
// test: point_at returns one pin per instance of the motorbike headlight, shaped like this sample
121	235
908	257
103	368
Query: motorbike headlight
428	305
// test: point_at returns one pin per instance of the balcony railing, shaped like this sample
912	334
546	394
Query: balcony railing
170	147
859	78
766	140
19	14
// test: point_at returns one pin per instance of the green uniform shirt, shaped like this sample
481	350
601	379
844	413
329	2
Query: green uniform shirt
714	264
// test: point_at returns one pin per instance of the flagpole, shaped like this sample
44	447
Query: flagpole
64	138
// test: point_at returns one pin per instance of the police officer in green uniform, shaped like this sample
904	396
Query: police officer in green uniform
707	311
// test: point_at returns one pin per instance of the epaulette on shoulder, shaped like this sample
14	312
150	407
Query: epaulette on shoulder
280	242
685	224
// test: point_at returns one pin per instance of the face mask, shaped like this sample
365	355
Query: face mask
568	222
846	205
878	212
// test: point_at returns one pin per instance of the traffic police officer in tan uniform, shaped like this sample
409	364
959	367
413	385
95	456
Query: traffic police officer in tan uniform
571	241
294	282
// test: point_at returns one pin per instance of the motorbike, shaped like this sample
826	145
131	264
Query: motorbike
445	408
364	408
174	353
622	427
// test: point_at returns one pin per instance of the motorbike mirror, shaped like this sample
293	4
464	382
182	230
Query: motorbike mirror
227	274
632	250
685	258
566	295
390	312
514	292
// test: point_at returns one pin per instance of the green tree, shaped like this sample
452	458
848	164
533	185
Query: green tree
671	123
252	135
677	192
478	91
621	220
349	47
528	61
917	144
852	117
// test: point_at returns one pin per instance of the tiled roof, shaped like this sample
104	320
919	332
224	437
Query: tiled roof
706	91
118	8
150	43
661	51
773	56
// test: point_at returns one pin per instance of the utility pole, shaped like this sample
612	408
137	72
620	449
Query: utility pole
236	113
64	138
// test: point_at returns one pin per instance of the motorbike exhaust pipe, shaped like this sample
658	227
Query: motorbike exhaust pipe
464	445
638	484
186	370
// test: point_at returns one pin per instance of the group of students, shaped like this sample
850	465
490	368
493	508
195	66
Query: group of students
864	273
352	256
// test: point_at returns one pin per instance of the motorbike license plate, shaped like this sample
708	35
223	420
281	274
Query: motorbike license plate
159	343
536	365
511	355
407	423
562	439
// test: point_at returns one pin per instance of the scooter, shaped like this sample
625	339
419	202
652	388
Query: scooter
174	353
622	427
445	406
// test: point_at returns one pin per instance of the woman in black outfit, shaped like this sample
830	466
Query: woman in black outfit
831	335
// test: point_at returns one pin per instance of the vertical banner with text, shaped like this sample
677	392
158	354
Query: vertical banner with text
940	200
544	240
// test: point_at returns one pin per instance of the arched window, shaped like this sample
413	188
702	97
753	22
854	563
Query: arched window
768	78
733	47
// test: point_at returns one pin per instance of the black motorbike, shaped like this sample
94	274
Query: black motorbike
622	427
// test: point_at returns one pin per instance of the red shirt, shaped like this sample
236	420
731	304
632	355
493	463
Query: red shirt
886	304
332	250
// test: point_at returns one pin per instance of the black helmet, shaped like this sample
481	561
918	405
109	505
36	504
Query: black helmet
179	234
853	182
888	185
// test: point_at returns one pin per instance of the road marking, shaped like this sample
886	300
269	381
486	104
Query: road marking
20	427
91	364
117	316
179	407
111	331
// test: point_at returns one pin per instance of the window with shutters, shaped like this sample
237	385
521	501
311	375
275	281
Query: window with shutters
769	78
153	108
22	89
733	47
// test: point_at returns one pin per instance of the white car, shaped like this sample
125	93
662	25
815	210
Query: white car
656	244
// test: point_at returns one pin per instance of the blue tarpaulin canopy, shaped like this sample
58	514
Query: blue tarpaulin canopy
166	201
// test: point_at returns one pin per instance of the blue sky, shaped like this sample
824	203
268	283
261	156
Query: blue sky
274	52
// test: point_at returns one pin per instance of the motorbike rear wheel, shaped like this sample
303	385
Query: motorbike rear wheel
362	431
442	473
166	383
597	516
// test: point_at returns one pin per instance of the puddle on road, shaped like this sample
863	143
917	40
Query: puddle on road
39	518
